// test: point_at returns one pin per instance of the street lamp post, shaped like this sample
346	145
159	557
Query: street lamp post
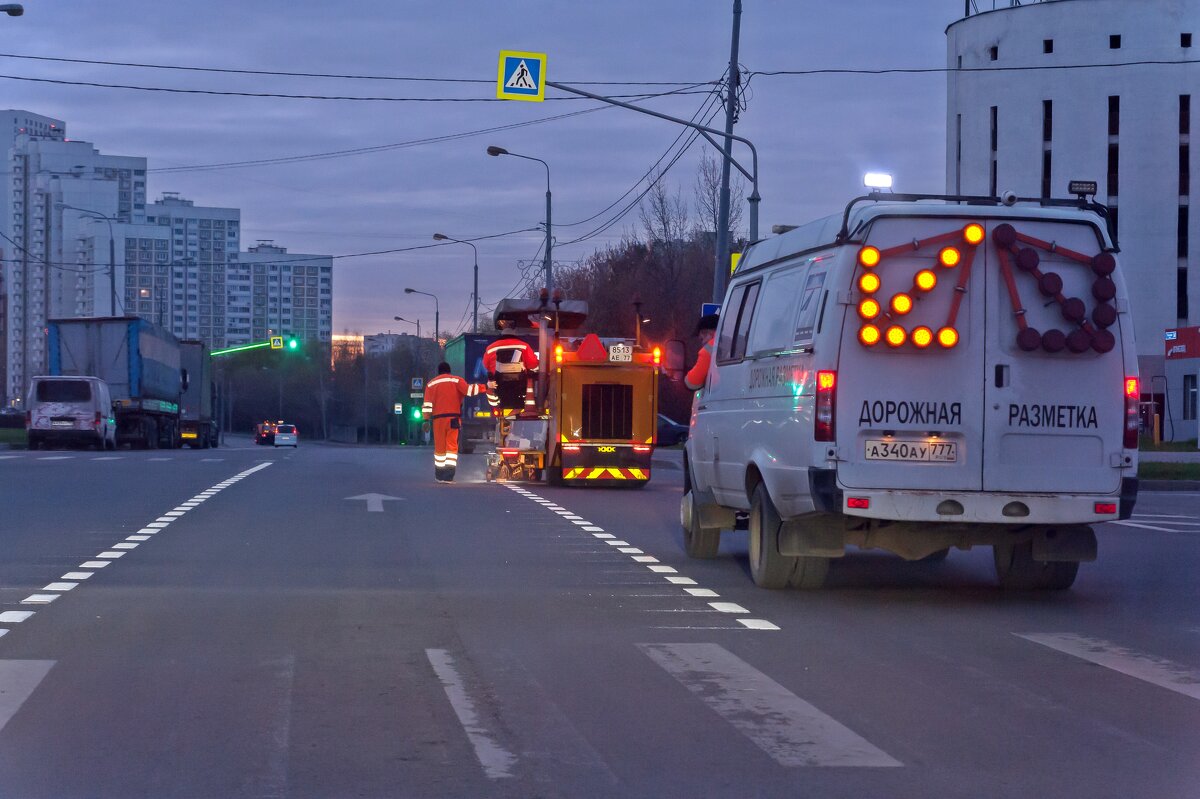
411	322
548	260
475	285
112	257
437	318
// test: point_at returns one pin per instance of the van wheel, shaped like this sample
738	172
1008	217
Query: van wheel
768	568
810	573
1016	569
698	542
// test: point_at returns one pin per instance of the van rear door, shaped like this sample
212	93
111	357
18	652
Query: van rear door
1054	409
910	412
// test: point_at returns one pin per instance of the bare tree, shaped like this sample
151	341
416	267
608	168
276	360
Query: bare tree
708	196
664	216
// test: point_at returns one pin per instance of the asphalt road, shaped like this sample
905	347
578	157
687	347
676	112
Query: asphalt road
240	623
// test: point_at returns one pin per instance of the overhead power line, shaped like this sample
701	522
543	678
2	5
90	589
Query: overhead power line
288	74
944	70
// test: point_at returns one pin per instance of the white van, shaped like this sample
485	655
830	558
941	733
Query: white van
916	374
70	410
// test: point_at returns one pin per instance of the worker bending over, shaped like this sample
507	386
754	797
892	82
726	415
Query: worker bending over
443	406
510	364
706	331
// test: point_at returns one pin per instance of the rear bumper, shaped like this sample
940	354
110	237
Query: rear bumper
67	435
978	507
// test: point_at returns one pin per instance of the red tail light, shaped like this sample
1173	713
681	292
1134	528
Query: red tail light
860	503
825	419
1132	395
641	448
570	447
96	421
1106	507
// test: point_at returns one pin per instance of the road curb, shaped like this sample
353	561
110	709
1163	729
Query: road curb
1169	485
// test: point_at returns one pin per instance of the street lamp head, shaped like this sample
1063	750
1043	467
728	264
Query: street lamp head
494	150
13	9
409	291
440	237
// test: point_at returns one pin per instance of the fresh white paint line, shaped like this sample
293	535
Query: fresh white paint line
617	543
39	599
603	536
1147	527
164	520
93	564
758	624
1162	516
125	545
108	458
643	558
8	457
555	508
662	569
593	529
77	575
564	513
786	727
157	525
59	586
1148	668
158	459
581	523
727	607
706	592
630	550
56	458
111	555
570	516
148	531
497	761
211	460
14	616
175	514
675	579
3	633
18	680
138	538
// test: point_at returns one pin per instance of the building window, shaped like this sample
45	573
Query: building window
1114	116
1182	232
1047	46
1045	173
1184	170
995	136
1114	42
1047	120
1181	297
1185	114
960	62
1114	164
994	53
1185	40
1189	397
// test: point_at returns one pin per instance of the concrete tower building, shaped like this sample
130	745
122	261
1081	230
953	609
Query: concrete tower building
1125	124
273	292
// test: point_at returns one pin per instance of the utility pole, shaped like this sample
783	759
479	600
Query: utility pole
733	81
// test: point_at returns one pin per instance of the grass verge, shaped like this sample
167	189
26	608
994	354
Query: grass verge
1146	444
1168	471
14	437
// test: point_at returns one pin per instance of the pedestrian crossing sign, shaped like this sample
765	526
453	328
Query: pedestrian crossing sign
522	76
276	342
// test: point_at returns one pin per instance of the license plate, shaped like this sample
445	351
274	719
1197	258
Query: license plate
62	424
620	353
917	451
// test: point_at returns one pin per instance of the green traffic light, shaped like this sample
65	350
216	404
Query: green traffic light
293	344
416	414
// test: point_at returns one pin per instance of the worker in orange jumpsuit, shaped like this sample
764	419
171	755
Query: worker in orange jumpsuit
706	330
443	407
509	363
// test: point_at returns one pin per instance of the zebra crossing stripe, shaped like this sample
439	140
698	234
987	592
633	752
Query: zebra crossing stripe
1147	668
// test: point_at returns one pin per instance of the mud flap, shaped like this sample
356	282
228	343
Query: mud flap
1070	543
817	535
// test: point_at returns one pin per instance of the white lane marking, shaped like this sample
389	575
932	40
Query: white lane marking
158	459
497	761
1147	668
138	538
77	575
1162	516
125	545
675	579
157	525
630	550
786	727
18	680
59	586
662	569
582	523
3	633
14	616
604	536
593	529
617	543
111	555
758	624
563	512
8	457
39	599
175	514
56	457
1147	527
93	564
148	530
642	558
108	458
705	592
165	519
727	607
211	460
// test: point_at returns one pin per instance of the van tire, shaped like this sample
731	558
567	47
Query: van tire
699	542
1016	570
768	568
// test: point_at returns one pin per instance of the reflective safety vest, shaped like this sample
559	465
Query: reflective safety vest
509	355
695	377
444	395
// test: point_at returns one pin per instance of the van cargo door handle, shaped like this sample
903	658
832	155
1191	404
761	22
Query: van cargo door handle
1001	375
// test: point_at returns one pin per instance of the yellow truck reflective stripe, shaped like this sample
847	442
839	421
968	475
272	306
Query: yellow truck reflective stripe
638	474
616	473
595	473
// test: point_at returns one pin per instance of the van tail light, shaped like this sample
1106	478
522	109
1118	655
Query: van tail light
858	503
96	421
1105	508
1132	395
824	422
28	419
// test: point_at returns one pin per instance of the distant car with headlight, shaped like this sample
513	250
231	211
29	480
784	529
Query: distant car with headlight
286	435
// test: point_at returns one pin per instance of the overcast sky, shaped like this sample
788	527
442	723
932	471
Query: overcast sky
816	135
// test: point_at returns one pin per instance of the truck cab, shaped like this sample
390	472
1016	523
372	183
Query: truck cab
932	372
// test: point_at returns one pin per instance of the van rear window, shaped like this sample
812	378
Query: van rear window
64	391
285	428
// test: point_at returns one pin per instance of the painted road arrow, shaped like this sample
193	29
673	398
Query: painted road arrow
375	501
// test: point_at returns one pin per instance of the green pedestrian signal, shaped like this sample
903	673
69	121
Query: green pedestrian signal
293	344
416	414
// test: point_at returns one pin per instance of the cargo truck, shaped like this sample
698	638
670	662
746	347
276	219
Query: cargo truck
197	426
465	355
140	364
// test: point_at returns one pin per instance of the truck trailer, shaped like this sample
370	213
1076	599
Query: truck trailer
140	363
197	424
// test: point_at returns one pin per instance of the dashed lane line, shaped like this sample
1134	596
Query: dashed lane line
668	573
1147	668
71	579
497	762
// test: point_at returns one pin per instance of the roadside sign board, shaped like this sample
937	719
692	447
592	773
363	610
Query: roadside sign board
276	342
398	408
734	259
418	384
709	308
417	395
522	76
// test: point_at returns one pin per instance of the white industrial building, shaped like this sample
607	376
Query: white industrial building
1121	115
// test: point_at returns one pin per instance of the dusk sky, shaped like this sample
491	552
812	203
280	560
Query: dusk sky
816	135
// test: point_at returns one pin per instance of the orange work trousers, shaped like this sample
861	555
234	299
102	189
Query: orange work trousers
445	447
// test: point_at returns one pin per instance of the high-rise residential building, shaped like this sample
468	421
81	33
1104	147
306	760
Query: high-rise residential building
1014	127
274	292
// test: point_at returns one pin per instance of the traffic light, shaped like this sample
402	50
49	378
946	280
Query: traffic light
293	344
416	414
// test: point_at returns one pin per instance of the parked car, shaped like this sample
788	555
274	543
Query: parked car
70	410
671	432
286	435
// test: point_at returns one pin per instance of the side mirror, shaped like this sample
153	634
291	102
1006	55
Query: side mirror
674	363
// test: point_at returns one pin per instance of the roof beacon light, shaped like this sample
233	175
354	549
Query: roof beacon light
922	337
949	257
869	256
947	337
869	308
901	304
869	283
973	233
657	356
896	336
877	180
869	335
925	280
558	353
